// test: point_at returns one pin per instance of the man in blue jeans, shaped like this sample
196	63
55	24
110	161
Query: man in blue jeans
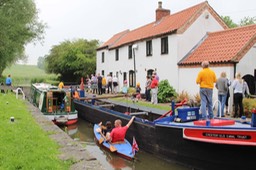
206	79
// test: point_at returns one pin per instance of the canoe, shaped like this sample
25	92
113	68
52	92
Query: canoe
123	149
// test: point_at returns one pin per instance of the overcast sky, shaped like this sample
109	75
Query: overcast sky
101	19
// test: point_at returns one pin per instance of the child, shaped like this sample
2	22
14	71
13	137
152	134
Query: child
125	89
138	90
106	130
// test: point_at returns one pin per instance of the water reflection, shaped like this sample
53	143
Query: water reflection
83	131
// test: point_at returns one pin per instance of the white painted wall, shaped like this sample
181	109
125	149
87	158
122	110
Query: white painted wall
187	81
165	65
247	64
196	32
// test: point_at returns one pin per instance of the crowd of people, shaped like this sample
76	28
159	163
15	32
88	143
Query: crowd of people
99	84
206	79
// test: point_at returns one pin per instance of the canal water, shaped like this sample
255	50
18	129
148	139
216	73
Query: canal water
83	131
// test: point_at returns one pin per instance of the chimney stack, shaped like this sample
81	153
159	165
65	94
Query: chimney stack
160	12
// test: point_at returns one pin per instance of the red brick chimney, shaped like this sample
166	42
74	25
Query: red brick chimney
160	12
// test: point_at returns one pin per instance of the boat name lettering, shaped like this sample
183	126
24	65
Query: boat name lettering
229	136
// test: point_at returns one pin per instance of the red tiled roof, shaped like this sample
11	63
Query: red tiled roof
114	39
223	46
169	24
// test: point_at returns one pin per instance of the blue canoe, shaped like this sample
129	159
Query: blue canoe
123	149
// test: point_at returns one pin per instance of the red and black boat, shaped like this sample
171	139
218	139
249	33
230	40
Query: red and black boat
220	143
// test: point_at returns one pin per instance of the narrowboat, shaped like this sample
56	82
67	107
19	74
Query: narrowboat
56	104
220	143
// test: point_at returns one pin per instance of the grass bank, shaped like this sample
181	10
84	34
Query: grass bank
23	74
161	106
24	145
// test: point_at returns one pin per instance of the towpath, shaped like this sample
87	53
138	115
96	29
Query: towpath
69	148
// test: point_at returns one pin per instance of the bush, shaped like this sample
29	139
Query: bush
2	79
37	80
249	104
165	92
182	96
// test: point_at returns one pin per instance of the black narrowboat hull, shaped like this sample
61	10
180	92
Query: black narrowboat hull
169	143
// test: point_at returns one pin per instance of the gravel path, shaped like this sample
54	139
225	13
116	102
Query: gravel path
69	148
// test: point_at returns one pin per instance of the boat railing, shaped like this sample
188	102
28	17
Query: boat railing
219	107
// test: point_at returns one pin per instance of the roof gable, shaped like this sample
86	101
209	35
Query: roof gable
223	46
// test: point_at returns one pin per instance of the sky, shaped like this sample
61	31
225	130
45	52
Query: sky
101	19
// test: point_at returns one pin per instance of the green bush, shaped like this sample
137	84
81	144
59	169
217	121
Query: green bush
37	80
2	79
165	92
249	104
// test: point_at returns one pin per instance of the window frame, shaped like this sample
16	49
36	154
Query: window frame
102	57
164	45
149	48
130	52
117	54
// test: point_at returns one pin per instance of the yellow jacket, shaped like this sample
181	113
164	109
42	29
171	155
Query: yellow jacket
206	78
104	81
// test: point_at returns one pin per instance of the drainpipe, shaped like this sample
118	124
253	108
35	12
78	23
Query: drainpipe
234	70
231	93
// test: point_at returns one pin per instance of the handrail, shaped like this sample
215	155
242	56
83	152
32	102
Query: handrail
219	106
17	93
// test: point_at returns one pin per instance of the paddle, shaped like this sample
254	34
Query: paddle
103	138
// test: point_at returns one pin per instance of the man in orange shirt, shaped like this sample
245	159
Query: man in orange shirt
206	79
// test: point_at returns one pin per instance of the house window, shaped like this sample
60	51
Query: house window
102	57
149	48
125	76
164	45
130	52
131	78
102	72
117	54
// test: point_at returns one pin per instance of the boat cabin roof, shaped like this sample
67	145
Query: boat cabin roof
44	86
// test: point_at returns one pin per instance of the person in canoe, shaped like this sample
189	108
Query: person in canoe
118	133
106	129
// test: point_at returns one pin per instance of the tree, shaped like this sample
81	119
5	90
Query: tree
72	60
243	22
229	21
19	25
247	21
41	62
